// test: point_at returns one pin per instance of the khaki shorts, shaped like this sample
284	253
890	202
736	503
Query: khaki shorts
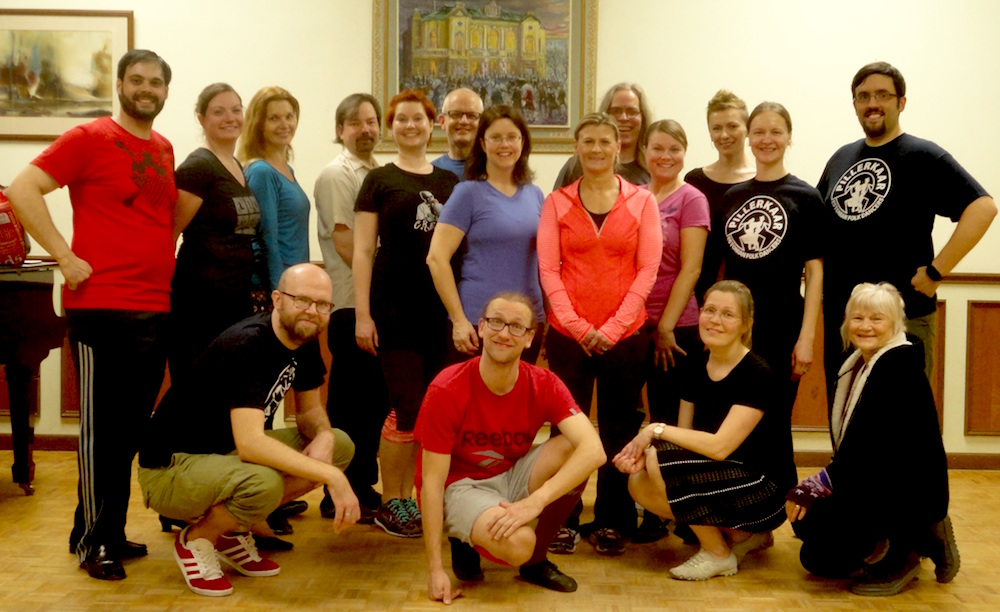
465	500
192	484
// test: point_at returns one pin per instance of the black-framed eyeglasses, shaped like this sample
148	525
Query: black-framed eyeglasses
303	303
497	324
863	97
457	115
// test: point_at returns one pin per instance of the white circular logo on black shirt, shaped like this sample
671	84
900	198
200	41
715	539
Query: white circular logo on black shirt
757	227
861	190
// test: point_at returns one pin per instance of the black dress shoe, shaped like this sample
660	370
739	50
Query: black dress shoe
279	524
293	508
131	550
652	529
101	564
272	544
167	524
548	576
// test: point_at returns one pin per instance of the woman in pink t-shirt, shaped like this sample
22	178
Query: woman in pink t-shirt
599	244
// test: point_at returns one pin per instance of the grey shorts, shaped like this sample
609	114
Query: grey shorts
465	500
192	484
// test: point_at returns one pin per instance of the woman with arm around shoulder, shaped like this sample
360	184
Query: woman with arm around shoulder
599	244
219	218
772	233
727	127
399	315
266	148
882	502
626	103
496	211
724	469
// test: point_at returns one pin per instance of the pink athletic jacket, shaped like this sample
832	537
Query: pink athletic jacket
599	279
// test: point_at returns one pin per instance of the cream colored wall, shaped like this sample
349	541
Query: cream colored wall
802	54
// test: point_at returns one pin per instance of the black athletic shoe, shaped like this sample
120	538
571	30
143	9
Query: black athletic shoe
465	561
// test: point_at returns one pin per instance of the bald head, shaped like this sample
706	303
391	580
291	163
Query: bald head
310	286
459	119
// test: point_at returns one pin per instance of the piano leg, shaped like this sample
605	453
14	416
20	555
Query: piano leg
19	378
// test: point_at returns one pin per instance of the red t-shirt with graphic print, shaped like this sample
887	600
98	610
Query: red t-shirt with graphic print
123	196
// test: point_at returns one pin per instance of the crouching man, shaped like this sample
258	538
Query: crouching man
481	482
210	457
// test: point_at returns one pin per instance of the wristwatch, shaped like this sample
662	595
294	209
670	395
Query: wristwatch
658	430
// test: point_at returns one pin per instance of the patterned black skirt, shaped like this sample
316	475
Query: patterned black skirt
703	491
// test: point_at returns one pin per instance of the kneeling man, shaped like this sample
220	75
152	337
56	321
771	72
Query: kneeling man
480	480
207	457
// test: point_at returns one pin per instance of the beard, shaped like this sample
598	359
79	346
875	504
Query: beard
130	108
873	131
301	328
364	145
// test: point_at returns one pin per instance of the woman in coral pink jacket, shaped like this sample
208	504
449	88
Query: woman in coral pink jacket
599	245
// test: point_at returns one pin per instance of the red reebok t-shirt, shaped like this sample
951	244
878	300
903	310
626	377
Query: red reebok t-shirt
123	196
486	433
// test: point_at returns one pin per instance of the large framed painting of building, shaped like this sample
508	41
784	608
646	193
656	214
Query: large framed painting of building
538	56
57	69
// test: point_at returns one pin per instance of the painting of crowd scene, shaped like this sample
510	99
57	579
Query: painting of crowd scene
512	52
57	74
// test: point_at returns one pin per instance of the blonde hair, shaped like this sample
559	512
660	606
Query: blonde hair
252	145
883	299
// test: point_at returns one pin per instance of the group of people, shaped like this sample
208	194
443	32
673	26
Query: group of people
443	279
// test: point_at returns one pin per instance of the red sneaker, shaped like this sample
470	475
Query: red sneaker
200	566
239	551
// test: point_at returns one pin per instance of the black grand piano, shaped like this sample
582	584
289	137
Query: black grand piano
29	329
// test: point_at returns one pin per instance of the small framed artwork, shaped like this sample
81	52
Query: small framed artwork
58	69
538	56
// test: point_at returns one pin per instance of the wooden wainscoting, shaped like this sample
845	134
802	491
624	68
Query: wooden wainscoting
982	364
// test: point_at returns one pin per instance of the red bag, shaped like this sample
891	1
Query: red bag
13	242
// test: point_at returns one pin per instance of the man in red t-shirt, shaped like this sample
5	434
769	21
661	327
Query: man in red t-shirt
479	478
120	175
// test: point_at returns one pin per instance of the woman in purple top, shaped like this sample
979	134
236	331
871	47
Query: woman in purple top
671	305
495	212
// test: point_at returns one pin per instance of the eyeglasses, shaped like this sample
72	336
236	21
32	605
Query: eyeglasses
630	111
496	140
303	303
863	97
497	324
726	315
457	115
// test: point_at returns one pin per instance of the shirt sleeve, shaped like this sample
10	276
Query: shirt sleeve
695	211
309	367
367	200
67	158
334	194
193	176
550	271
647	261
459	208
558	401
264	185
438	421
954	186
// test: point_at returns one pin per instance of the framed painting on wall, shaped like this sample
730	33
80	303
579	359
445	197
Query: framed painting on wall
537	56
57	69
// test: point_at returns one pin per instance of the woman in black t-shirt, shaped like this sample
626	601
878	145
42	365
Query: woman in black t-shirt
399	315
727	126
725	467
219	218
770	234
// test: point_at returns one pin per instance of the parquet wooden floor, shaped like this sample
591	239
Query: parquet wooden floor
365	569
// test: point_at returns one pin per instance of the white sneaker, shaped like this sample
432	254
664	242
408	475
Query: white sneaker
703	566
756	541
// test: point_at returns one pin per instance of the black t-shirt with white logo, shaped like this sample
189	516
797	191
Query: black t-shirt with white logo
245	367
880	204
770	229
